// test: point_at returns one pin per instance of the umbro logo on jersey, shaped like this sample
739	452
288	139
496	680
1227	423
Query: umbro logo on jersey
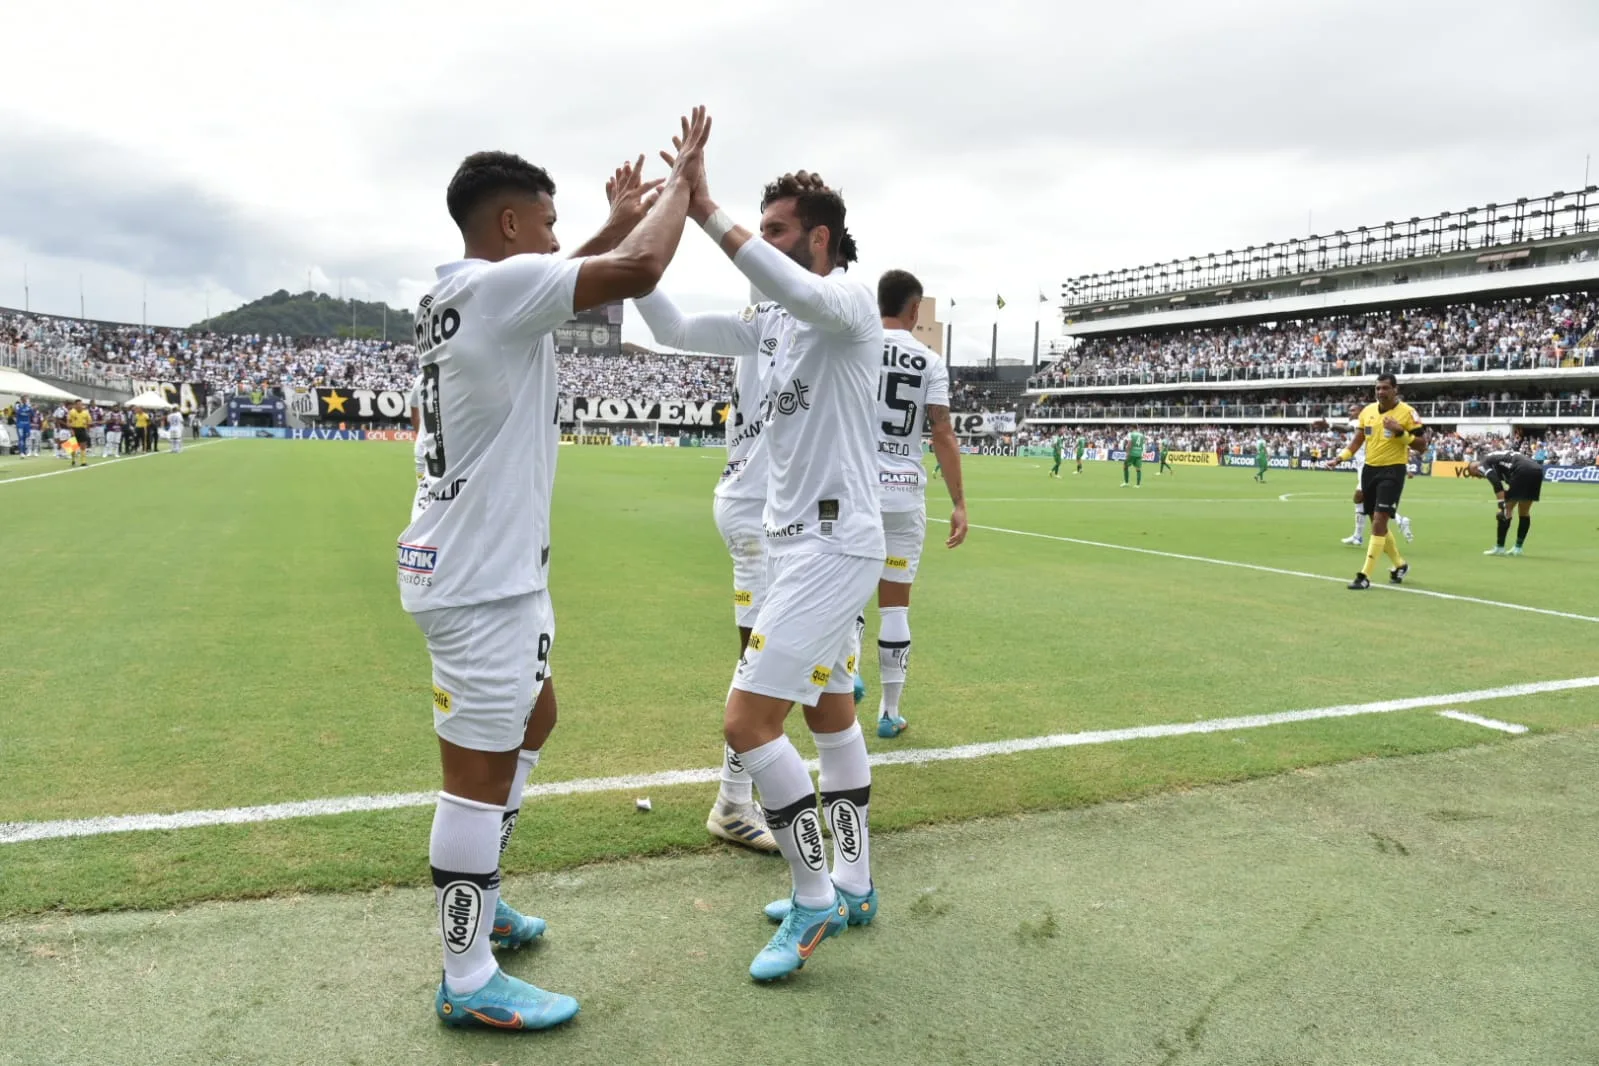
770	344
418	558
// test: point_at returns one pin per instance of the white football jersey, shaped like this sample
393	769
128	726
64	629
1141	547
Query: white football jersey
175	421
820	409
913	378
753	337
489	410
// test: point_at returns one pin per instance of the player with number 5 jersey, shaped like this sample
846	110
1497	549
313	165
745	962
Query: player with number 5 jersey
913	390
474	562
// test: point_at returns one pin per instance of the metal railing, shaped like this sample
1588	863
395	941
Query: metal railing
1526	220
63	367
1406	365
1428	410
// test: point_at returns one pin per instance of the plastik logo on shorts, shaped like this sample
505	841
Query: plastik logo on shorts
418	558
899	477
821	675
441	700
743	598
894	562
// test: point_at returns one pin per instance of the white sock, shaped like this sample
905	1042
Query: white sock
893	656
735	788
526	763
846	784
1360	521
464	853
789	800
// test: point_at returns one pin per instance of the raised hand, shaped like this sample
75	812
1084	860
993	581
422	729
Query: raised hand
687	158
630	196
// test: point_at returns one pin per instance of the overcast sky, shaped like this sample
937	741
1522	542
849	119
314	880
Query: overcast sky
221	151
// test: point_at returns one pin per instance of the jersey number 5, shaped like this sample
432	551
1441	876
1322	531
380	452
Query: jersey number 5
888	392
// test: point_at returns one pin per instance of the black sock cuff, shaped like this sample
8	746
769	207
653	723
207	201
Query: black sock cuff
893	645
860	797
783	817
486	881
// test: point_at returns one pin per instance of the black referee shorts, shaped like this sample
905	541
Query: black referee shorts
1381	487
81	436
1528	486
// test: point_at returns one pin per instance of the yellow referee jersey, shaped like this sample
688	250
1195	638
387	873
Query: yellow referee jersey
1384	448
77	419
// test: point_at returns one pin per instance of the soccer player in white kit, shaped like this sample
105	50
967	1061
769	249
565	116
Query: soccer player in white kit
175	430
913	387
473	566
753	337
824	540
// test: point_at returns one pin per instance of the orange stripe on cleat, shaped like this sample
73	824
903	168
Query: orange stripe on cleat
514	1023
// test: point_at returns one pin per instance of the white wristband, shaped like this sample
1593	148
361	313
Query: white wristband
718	225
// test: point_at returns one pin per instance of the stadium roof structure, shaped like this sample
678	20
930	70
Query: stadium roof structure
1535	244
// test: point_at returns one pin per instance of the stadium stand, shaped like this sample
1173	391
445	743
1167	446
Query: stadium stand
116	354
1489	317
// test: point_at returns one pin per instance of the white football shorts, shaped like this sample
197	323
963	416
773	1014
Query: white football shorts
804	641
490	661
904	533
739	523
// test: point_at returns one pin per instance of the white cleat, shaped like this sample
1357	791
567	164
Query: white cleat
1356	541
1404	527
741	823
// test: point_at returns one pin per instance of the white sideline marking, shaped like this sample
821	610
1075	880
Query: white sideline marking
1488	723
19	832
102	464
1276	570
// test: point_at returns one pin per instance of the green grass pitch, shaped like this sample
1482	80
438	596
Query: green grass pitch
222	629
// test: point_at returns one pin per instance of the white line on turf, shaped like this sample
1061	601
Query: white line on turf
20	832
102	464
1487	723
1279	571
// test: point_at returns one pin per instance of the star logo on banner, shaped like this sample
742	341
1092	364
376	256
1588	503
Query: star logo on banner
335	402
723	412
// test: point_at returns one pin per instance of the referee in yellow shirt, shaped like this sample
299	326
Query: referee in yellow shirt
1389	431
78	420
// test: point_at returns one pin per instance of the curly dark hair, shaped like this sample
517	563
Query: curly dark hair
485	174
816	205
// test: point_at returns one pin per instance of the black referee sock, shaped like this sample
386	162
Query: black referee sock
1504	528
1521	528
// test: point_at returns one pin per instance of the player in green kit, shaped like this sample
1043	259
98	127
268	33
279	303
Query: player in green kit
1058	445
1262	460
1160	448
1082	446
1135	457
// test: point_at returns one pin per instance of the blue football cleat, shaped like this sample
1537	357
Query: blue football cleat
512	930
860	688
802	930
504	1003
890	727
861	909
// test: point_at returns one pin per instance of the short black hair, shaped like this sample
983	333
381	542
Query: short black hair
896	290
1389	378
485	174
815	207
